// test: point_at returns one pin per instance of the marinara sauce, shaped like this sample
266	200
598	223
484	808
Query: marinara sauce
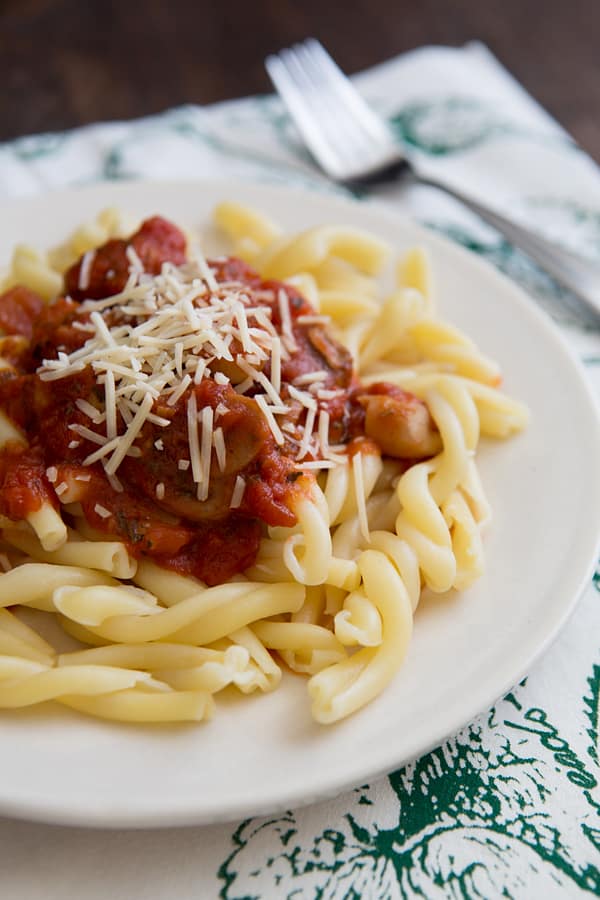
152	504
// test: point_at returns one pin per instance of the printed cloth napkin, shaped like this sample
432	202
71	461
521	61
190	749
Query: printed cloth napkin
509	806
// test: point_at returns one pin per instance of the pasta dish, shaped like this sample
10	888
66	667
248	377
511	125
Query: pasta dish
213	468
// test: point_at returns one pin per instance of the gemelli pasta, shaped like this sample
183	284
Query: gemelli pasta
214	469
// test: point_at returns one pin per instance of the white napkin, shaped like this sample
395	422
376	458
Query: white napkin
509	806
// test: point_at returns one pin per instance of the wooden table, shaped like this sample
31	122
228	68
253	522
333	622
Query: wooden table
68	62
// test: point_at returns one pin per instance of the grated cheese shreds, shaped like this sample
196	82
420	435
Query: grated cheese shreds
271	421
205	451
205	269
135	263
259	378
179	390
220	449
130	435
286	320
329	395
85	270
302	397
359	490
314	320
316	464
125	412
193	437
323	429
244	385
169	330
308	430
276	365
106	448
179	358
238	492
102	329
83	326
102	511
114	483
310	377
242	324
90	411
88	434
110	402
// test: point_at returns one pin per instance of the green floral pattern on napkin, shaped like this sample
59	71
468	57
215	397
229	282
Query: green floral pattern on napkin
481	816
440	127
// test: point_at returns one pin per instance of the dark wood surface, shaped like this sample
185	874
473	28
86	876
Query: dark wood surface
68	62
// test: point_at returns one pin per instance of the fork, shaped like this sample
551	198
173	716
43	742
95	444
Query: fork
356	148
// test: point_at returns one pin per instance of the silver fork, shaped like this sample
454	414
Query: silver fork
355	147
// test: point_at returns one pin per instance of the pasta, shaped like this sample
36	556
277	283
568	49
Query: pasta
210	470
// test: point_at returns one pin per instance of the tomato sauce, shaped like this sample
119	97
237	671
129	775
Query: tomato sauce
24	487
201	538
156	242
19	309
205	539
153	505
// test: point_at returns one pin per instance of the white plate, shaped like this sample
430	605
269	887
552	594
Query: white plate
264	753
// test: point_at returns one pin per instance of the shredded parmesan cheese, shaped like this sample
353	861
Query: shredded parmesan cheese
238	492
286	320
310	377
205	451
193	437
163	335
90	411
220	450
324	432
179	390
85	270
359	490
111	405
130	435
317	464
308	430
114	483
314	320
135	262
276	365
302	397
271	421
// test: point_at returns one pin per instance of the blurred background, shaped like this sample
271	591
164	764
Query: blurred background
68	62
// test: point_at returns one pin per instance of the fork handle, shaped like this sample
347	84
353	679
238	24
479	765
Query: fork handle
578	274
